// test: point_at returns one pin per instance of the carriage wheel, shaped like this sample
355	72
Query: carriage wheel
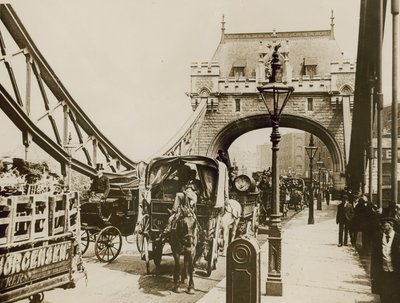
157	252
85	238
143	231
108	244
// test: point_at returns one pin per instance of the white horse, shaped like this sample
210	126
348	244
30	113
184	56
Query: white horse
229	222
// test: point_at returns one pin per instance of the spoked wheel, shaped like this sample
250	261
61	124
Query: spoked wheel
212	257
213	253
85	238
157	252
143	231
108	244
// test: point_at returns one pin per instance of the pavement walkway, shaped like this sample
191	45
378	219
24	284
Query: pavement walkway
314	269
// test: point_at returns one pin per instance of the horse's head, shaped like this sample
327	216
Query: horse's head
187	228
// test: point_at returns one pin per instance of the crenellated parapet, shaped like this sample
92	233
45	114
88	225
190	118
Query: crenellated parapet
204	69
240	85
204	84
346	66
306	84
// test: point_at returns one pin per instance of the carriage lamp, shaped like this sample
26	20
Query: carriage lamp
320	165
275	95
311	150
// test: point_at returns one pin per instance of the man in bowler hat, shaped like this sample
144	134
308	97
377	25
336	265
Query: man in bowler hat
345	213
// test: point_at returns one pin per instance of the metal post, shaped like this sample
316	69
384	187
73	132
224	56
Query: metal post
311	202
379	95
319	197
274	278
371	148
395	13
69	169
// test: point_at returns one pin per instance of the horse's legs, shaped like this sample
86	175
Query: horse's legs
234	228
177	269
189	262
184	270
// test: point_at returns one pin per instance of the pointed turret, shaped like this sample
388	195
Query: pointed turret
332	37
223	29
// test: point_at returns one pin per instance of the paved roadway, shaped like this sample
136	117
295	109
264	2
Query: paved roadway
125	279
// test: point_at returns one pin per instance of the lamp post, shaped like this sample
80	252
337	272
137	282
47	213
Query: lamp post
311	150
69	148
275	95
320	164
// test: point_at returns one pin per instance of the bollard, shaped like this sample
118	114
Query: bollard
243	271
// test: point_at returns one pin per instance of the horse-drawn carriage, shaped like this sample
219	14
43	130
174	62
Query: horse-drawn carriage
295	188
105	221
161	189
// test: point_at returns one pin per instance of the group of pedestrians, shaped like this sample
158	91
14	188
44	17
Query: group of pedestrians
380	239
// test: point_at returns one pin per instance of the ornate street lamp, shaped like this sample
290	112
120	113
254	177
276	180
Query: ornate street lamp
275	95
320	165
311	150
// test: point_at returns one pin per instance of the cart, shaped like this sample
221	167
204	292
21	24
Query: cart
106	222
161	188
39	245
247	194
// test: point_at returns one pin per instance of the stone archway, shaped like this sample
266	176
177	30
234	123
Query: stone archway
241	126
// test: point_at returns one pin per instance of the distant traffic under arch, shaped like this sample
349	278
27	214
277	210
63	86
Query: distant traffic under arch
235	129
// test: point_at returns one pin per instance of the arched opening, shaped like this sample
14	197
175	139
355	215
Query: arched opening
241	126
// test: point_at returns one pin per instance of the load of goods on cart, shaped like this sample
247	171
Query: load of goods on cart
39	233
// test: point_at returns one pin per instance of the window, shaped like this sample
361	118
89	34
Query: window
310	67
237	105
238	72
310	70
310	104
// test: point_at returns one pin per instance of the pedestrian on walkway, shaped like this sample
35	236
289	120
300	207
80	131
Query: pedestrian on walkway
385	263
327	195
344	214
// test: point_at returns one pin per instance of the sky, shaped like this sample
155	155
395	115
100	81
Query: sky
127	62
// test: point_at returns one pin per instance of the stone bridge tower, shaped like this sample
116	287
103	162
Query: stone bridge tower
312	63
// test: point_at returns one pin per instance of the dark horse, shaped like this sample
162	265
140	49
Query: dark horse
183	241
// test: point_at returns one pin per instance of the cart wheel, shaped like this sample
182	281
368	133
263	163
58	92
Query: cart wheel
85	237
36	298
143	232
145	254
108	244
157	252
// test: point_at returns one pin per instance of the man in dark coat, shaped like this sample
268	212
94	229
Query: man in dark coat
345	213
385	263
100	185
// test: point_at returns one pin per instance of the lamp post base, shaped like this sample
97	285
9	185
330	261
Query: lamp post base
319	201
274	288
311	221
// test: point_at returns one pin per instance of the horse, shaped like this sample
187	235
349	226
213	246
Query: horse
230	221
183	241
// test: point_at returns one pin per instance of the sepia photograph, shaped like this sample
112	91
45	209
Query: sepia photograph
199	151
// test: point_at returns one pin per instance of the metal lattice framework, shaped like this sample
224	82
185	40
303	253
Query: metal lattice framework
36	101
183	142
